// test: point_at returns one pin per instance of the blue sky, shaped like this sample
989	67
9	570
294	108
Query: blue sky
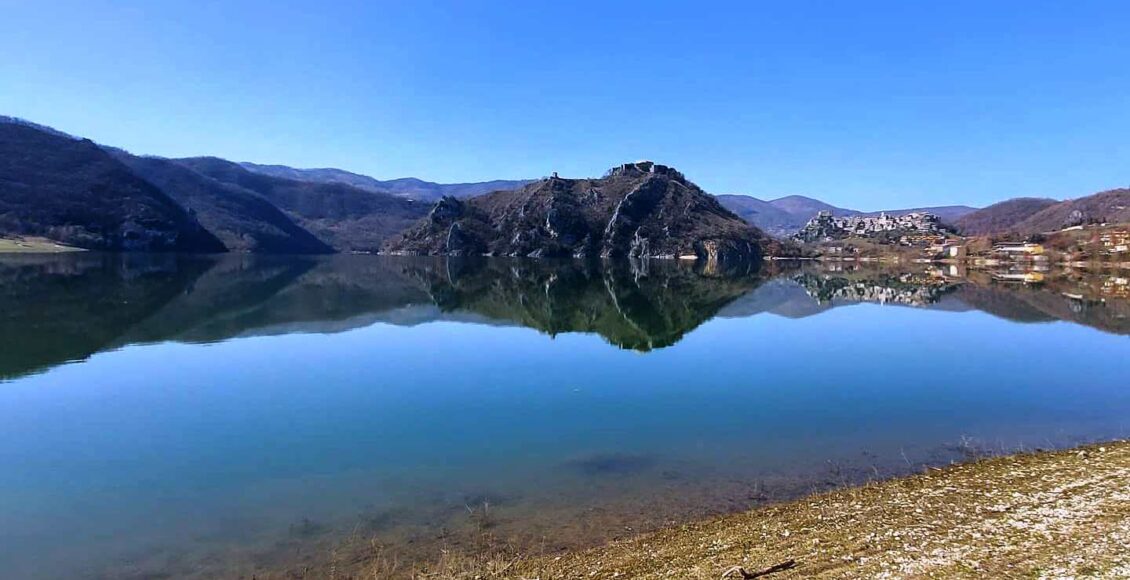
864	104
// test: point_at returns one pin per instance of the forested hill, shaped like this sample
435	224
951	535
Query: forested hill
74	192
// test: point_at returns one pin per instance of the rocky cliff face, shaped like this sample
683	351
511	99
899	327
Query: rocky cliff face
640	210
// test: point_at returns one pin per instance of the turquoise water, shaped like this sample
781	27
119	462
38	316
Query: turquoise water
195	416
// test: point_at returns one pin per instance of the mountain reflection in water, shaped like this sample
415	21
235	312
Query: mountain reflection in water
62	308
238	416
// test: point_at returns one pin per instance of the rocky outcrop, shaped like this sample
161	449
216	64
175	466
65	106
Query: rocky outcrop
637	210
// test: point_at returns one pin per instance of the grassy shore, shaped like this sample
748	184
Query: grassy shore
1030	515
30	245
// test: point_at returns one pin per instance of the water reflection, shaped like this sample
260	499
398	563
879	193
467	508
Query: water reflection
270	407
60	308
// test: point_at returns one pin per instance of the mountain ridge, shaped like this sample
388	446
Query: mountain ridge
407	187
208	204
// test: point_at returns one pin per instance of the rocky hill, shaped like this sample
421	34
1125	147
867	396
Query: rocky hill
72	191
636	210
406	187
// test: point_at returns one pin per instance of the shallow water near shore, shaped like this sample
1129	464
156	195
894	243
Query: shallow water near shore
191	416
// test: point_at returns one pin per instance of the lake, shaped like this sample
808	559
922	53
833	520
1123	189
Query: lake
183	416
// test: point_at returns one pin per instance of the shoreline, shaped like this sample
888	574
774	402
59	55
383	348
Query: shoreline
1042	514
34	245
1061	513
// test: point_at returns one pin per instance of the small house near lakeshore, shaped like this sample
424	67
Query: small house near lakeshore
1019	249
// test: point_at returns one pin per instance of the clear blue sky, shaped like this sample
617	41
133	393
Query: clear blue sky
863	104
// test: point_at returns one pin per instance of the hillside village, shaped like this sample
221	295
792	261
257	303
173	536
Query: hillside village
924	237
826	227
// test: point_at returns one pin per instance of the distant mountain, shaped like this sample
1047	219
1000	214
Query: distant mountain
347	218
413	188
808	207
637	209
1027	216
785	216
947	213
325	175
242	219
407	187
72	191
770	218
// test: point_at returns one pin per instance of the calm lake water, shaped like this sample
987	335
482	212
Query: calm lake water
191	416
